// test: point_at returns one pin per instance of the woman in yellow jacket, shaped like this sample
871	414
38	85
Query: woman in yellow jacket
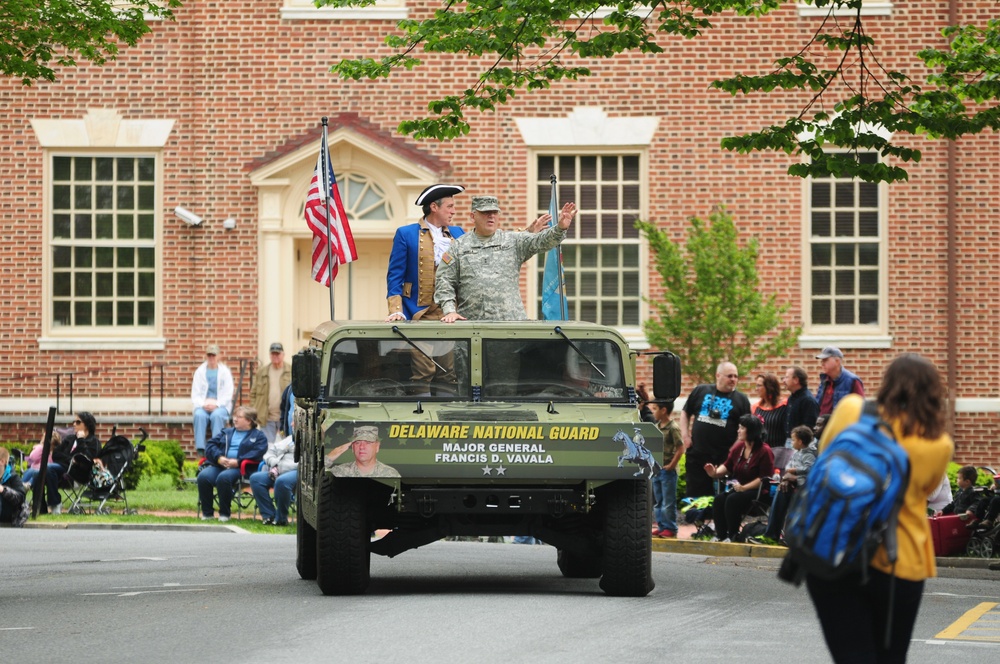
853	616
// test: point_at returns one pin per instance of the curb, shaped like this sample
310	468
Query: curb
740	550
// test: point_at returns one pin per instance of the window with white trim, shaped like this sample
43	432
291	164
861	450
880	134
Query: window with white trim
868	8
601	251
363	198
846	254
307	10
102	243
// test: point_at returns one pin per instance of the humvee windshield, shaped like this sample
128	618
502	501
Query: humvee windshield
552	369
387	368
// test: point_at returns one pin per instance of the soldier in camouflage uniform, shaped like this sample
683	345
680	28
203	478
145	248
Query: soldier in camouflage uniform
478	277
364	443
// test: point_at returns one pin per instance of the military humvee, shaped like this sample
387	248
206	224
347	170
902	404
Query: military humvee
430	430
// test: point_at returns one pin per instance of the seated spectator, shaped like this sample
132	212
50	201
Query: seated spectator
798	467
84	441
212	396
282	473
11	490
749	464
941	497
992	505
967	498
224	454
35	458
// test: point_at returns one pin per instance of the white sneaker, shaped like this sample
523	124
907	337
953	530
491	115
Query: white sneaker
726	541
57	509
205	518
223	519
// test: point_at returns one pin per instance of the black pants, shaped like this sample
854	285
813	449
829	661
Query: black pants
853	616
697	480
728	510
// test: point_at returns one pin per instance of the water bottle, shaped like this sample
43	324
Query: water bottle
775	481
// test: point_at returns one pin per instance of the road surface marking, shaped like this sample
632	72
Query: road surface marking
981	623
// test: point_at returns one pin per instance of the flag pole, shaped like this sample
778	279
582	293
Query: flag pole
563	302
326	196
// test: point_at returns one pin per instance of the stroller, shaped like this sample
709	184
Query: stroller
94	490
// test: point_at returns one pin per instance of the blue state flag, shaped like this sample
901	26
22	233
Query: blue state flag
554	305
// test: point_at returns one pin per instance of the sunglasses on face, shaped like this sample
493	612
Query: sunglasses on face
77	422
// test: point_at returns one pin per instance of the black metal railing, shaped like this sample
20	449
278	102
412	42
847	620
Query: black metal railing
155	373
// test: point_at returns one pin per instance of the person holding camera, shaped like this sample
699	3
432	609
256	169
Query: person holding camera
709	425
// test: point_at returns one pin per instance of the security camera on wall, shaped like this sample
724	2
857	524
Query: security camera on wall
189	218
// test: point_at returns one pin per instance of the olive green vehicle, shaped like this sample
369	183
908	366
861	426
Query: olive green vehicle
428	430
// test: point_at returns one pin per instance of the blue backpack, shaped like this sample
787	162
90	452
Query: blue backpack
850	502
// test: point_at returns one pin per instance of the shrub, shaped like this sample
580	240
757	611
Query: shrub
161	457
681	479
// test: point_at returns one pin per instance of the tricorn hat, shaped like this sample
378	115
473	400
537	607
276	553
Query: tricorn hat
436	192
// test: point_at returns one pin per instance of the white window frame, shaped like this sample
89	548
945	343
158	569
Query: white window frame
845	336
305	10
869	8
589	130
634	334
102	132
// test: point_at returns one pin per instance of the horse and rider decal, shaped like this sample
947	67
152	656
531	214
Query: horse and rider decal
635	452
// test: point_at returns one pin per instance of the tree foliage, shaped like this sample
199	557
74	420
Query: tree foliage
528	45
713	308
39	35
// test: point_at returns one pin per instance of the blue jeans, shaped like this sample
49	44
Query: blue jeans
776	517
29	476
218	419
212	477
284	488
665	499
53	474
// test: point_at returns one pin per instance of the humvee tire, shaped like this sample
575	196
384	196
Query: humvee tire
574	566
628	554
305	545
342	536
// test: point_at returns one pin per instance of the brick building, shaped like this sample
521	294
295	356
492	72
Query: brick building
218	113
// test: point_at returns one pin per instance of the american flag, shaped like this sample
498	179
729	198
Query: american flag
344	250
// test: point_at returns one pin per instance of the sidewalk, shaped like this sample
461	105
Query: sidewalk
684	544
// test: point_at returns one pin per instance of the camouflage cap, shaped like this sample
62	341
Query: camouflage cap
485	204
366	434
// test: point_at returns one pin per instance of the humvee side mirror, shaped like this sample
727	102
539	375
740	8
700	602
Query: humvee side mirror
306	374
666	376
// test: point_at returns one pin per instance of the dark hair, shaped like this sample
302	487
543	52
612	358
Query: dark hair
772	388
755	430
88	421
426	207
801	375
913	395
968	473
803	433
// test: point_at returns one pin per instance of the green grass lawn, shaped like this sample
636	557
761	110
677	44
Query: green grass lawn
158	500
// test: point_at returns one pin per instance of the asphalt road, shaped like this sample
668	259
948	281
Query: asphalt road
220	596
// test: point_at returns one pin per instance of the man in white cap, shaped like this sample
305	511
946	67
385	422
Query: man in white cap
480	274
416	252
365	445
835	382
211	395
